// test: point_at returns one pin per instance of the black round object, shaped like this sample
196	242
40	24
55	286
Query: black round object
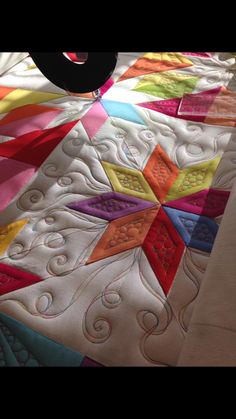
72	77
82	56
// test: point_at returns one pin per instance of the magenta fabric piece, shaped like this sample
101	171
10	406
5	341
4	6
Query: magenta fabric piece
209	202
170	107
12	279
87	362
94	119
13	176
198	54
109	83
197	104
111	205
25	125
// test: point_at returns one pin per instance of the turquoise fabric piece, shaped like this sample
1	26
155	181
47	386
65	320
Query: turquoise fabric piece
122	110
7	357
20	345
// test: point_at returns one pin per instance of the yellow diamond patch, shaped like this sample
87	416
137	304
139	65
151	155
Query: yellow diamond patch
9	232
21	97
128	181
193	179
172	57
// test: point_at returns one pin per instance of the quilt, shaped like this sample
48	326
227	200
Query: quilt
110	207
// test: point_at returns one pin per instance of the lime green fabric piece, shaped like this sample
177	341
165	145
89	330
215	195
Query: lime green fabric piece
193	179
129	181
167	85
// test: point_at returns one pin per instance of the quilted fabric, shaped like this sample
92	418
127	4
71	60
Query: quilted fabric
110	208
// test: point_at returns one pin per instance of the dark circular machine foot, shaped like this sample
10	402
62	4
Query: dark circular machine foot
67	75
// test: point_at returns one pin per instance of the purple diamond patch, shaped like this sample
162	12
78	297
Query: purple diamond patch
111	205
